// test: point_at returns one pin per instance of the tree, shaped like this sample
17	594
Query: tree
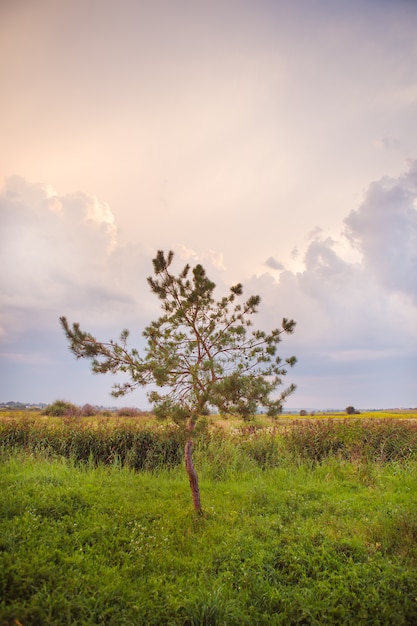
199	354
350	410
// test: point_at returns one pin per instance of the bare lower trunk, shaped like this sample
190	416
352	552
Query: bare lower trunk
192	474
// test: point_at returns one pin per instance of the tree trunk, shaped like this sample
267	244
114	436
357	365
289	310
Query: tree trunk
189	466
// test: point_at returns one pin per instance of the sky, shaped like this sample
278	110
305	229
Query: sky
274	142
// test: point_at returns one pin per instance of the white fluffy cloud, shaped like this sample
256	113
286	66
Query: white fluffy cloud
384	229
356	320
54	248
59	256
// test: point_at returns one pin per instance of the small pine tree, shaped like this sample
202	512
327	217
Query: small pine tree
199	353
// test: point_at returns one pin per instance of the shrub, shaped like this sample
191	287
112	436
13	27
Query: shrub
61	408
88	410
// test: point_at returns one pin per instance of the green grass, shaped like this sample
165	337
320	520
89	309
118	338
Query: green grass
323	543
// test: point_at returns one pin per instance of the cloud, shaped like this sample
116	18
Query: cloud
387	143
216	259
384	230
273	264
356	333
58	254
187	253
356	319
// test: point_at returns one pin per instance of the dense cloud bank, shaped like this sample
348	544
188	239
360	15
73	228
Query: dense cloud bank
356	319
384	229
357	322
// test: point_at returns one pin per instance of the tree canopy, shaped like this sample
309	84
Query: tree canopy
200	353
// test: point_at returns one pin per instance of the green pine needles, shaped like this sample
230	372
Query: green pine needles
200	353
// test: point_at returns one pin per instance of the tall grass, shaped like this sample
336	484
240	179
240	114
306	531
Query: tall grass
127	444
354	439
147	445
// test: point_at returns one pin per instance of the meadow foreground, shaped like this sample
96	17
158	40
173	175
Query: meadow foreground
286	537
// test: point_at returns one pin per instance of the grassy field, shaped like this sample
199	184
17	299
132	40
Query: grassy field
315	524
